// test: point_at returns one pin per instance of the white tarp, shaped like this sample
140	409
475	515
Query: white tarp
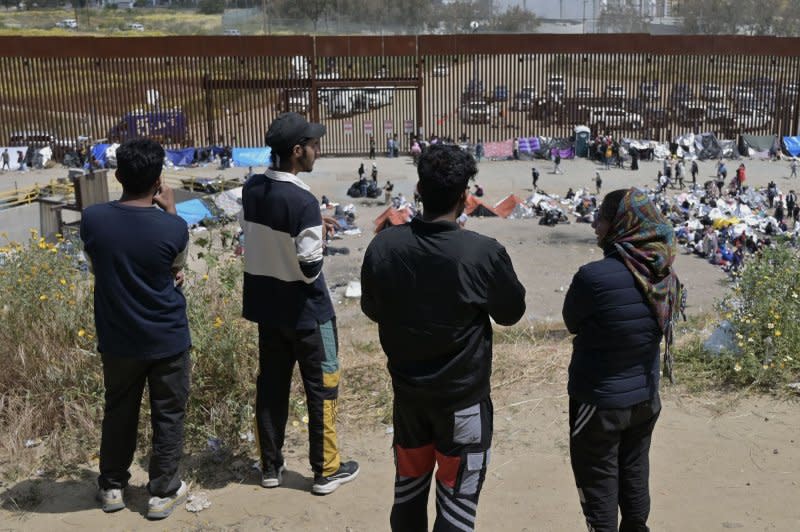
13	155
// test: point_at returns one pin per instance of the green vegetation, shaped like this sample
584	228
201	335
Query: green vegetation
764	311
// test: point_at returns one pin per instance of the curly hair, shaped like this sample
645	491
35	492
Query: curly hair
444	173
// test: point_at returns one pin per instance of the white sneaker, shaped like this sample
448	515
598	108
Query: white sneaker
161	507
111	500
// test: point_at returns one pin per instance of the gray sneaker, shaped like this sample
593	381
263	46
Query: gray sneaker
272	476
111	500
348	471
161	507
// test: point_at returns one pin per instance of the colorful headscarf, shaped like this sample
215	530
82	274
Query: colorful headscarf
645	240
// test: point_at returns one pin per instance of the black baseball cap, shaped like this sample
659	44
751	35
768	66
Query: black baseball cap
289	129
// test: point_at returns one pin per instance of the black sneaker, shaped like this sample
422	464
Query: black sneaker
324	485
272	476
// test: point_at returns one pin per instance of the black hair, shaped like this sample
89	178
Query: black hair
610	205
444	174
278	158
139	164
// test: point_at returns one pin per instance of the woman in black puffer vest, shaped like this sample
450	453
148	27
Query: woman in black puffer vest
619	308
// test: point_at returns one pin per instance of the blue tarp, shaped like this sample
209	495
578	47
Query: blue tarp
792	145
99	152
193	211
251	156
182	157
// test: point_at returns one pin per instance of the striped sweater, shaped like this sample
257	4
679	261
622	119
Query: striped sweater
283	281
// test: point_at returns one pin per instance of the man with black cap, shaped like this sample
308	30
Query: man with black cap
285	293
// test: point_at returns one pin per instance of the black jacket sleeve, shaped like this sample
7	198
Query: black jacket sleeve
506	294
578	304
368	291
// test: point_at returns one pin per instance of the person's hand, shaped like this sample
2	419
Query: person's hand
329	225
179	278
165	198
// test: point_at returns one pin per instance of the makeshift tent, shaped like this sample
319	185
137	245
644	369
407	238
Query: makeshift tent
528	144
498	150
251	156
706	146
757	145
193	211
506	206
476	207
12	155
563	146
99	153
792	145
183	157
392	216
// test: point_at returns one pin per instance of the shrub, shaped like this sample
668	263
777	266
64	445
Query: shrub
764	311
211	7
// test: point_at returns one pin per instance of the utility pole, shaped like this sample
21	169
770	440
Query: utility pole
264	17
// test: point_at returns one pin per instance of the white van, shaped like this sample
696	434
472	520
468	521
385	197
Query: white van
135	26
615	118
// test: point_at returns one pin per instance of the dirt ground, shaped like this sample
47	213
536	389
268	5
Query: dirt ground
718	461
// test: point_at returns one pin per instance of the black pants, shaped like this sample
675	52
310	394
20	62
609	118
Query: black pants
609	450
168	384
315	350
459	442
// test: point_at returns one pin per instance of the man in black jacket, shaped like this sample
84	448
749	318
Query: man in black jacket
437	336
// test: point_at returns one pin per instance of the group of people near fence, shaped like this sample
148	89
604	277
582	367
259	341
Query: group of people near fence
438	343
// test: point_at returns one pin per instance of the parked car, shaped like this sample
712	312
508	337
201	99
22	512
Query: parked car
584	92
615	91
615	118
690	113
298	101
712	92
476	112
135	26
750	120
378	96
681	92
233	32
441	70
655	117
500	93
719	114
556	87
649	90
69	23
525	98
740	92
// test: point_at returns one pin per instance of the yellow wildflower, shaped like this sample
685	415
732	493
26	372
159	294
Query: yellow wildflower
729	315
777	332
204	277
218	322
81	333
63	282
43	297
737	367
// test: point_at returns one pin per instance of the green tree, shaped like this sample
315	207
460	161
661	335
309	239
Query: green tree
515	20
211	7
623	18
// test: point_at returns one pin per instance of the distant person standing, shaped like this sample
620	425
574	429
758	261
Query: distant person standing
535	176
387	192
598	182
6	160
20	161
479	150
515	149
374	173
793	166
557	162
695	171
136	253
372	147
361	171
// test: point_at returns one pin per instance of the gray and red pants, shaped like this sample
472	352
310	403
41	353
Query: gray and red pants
458	443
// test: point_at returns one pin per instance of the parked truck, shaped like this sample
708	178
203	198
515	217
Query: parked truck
165	126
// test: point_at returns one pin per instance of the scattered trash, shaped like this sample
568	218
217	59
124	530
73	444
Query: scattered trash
390	429
247	436
774	451
794	386
721	339
197	502
732	525
353	289
33	442
214	445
